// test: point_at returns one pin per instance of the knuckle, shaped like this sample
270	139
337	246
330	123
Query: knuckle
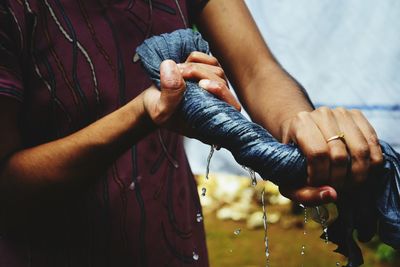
193	55
339	158
219	85
324	110
362	153
191	69
356	112
341	110
213	60
302	115
373	140
173	83
219	72
376	159
318	154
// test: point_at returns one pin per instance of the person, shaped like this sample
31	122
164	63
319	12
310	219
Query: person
91	173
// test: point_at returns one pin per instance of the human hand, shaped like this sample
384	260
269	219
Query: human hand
161	105
332	166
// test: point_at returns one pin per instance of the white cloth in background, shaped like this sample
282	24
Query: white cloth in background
344	52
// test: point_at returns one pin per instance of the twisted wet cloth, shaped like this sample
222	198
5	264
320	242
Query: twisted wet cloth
374	208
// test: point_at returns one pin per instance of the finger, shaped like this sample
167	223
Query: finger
356	144
198	71
221	91
326	122
376	156
310	196
200	57
172	90
309	138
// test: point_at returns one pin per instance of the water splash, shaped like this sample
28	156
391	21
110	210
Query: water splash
303	250
199	217
212	150
267	254
237	231
195	256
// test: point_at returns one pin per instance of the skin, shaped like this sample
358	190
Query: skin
25	175
270	95
275	101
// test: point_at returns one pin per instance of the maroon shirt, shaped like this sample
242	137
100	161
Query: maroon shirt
70	62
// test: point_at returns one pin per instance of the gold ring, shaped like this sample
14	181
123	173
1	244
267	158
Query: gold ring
340	136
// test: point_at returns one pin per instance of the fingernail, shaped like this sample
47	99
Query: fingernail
325	195
204	83
168	68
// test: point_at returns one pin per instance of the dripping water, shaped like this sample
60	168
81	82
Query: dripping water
237	231
195	256
303	247
212	149
265	227
203	192
252	175
199	217
322	214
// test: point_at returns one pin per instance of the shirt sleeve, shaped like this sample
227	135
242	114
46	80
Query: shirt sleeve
10	48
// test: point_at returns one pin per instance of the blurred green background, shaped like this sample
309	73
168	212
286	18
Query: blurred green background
285	232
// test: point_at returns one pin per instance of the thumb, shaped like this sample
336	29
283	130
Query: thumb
172	87
310	196
162	104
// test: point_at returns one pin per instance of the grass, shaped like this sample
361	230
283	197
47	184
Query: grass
248	250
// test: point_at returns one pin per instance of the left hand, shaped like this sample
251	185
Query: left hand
340	164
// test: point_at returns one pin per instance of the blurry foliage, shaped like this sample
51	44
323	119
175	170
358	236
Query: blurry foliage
385	253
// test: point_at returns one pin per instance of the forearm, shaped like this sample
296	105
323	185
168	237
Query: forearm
268	93
75	160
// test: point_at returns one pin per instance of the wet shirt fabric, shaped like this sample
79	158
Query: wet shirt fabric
371	209
69	63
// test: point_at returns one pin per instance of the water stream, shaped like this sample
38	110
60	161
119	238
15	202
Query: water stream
267	254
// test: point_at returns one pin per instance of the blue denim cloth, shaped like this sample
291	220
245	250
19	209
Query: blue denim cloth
374	208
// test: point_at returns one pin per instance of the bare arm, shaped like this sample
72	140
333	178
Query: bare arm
262	85
277	102
71	161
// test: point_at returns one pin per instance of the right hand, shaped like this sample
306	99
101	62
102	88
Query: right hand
160	105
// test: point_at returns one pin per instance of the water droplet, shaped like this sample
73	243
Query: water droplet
302	206
199	217
132	186
337	263
212	149
320	214
195	256
303	250
136	58
303	247
252	175
203	192
237	231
